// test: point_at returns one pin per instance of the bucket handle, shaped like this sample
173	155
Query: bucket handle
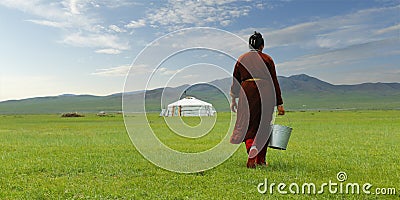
275	116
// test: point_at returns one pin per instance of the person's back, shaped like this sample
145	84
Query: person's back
256	85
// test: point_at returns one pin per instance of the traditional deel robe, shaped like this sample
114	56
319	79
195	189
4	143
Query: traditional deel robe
256	85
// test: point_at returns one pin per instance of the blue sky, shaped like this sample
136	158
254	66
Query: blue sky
87	46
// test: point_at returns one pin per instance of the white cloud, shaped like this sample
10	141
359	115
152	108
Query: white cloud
341	57
64	12
166	71
74	7
389	29
95	40
108	51
225	22
334	32
36	7
116	29
81	26
48	23
123	70
327	42
136	24
190	76
180	14
113	4
354	41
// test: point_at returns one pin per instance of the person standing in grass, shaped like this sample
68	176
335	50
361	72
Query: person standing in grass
256	85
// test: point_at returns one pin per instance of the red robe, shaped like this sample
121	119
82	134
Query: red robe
257	98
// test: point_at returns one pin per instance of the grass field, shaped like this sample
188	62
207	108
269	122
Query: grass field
47	157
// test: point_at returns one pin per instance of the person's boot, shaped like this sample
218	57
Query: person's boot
251	162
260	160
252	151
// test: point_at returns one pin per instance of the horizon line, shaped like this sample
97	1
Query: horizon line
121	92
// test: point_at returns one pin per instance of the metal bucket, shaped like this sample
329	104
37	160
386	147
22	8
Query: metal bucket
279	137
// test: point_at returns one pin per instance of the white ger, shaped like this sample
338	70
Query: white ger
189	106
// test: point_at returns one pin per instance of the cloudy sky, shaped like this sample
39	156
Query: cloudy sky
87	46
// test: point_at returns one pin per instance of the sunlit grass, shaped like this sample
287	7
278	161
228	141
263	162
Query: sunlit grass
47	157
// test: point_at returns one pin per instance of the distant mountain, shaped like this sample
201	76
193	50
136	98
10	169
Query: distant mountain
67	95
305	92
299	92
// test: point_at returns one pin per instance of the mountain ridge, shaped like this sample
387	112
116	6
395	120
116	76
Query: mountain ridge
299	92
303	77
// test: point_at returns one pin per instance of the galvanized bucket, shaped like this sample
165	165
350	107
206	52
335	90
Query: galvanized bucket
279	137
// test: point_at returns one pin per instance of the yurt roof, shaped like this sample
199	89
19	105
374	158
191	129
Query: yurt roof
190	101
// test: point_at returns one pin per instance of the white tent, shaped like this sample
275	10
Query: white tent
189	106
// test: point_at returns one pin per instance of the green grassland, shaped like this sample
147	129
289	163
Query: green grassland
48	157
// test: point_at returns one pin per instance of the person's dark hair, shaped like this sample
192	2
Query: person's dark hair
256	40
